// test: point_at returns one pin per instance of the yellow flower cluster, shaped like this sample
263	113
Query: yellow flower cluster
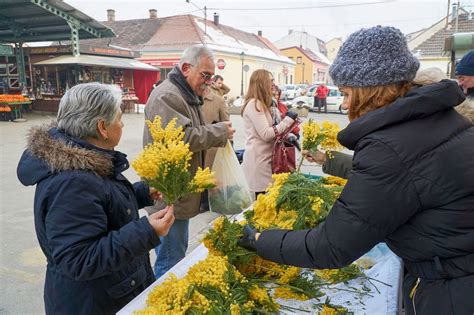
329	131
316	203
265	205
203	179
172	297
326	274
320	137
334	180
164	163
165	152
286	293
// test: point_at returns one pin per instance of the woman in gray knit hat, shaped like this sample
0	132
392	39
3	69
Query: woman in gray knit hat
411	183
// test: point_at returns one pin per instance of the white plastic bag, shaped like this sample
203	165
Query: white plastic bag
231	194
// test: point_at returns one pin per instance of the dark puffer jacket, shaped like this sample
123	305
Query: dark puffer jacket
412	186
87	224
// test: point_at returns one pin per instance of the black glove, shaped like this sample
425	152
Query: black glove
293	140
293	115
248	240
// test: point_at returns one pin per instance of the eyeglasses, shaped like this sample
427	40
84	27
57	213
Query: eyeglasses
206	76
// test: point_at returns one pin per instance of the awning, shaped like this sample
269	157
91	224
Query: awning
89	60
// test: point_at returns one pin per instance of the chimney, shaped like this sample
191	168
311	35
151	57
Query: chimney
216	18
290	32
259	33
153	14
111	15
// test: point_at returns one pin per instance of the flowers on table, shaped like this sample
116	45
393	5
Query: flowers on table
212	286
164	163
233	280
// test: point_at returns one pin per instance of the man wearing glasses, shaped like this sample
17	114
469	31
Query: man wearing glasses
180	96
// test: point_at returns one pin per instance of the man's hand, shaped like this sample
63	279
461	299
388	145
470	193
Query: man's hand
162	220
317	157
230	130
155	194
249	239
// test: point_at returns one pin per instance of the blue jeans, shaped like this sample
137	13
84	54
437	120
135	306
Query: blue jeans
172	248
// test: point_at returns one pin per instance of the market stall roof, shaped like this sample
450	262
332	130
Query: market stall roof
46	20
90	60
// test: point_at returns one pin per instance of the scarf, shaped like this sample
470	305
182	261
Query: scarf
177	78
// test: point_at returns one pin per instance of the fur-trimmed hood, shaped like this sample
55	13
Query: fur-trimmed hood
50	151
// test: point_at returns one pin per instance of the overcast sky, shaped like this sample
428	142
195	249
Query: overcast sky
324	19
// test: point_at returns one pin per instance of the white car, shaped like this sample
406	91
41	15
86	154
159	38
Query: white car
333	100
289	92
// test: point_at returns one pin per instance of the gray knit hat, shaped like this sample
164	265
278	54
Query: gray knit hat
374	56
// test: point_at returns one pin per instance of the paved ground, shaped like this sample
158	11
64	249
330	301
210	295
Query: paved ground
22	264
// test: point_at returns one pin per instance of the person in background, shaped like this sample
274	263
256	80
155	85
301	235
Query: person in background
154	86
465	75
259	128
218	86
180	96
86	211
321	94
282	108
412	182
214	110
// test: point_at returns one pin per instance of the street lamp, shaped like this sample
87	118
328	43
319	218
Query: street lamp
303	73
242	57
299	61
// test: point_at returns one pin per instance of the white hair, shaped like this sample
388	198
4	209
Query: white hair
83	105
429	76
193	55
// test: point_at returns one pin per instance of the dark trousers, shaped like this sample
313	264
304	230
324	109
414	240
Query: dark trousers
321	102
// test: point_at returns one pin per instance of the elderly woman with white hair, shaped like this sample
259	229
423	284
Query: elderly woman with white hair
86	211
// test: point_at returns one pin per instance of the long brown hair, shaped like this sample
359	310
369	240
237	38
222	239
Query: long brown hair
367	99
259	89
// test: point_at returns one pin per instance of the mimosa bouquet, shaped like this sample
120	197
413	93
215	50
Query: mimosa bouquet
164	163
319	137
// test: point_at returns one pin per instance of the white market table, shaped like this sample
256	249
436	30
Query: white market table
388	269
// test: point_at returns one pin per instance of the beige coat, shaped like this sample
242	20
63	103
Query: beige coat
466	108
167	101
214	110
257	163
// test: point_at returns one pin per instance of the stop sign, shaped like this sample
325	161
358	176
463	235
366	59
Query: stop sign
220	64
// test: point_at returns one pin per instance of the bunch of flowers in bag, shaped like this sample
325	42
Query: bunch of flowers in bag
164	163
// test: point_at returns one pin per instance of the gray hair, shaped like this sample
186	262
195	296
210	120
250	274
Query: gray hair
193	55
83	105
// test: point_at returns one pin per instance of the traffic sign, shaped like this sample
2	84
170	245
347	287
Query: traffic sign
221	64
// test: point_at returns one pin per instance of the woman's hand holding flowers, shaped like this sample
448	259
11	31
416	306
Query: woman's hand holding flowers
162	220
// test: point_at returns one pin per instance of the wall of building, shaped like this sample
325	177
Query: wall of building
305	70
333	47
232	72
439	62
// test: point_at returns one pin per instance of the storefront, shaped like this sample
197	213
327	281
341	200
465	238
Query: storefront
56	70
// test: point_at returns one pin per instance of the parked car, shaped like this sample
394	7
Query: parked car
288	92
333	100
301	90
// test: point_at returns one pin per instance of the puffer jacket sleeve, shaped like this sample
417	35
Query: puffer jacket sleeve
199	137
338	164
77	231
378	197
142	192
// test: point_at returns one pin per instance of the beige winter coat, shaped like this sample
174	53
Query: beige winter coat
214	110
168	101
466	108
259	145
